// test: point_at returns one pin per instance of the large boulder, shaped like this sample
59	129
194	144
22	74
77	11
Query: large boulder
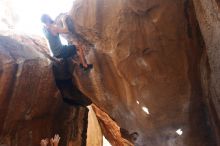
146	56
155	80
31	106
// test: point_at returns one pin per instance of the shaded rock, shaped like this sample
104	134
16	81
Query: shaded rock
207	13
154	75
31	106
146	75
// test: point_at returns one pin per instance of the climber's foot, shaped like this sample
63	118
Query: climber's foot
81	66
87	68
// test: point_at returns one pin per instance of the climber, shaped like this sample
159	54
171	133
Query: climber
52	31
63	78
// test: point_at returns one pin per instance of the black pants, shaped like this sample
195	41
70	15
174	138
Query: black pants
71	94
61	70
67	51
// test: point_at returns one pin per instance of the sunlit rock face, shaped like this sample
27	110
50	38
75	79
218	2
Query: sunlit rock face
208	16
31	107
146	76
8	17
94	133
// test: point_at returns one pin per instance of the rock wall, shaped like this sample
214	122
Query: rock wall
31	107
111	130
208	16
27	92
146	56
153	75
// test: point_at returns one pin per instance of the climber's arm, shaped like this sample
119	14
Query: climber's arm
63	29
56	140
44	142
58	29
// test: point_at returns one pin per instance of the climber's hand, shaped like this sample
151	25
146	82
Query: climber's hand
56	140
44	142
59	59
51	142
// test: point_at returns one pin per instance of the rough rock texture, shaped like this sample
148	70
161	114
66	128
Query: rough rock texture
208	16
152	72
146	56
110	129
31	107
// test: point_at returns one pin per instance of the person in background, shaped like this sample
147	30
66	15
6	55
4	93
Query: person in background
54	141
52	31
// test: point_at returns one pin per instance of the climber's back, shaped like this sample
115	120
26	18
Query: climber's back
54	42
52	32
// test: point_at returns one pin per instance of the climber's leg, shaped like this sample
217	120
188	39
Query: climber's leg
80	52
70	51
44	142
71	95
83	62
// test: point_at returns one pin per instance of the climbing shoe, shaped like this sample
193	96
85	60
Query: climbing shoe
86	69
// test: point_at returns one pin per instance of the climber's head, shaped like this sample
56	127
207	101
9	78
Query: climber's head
46	19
